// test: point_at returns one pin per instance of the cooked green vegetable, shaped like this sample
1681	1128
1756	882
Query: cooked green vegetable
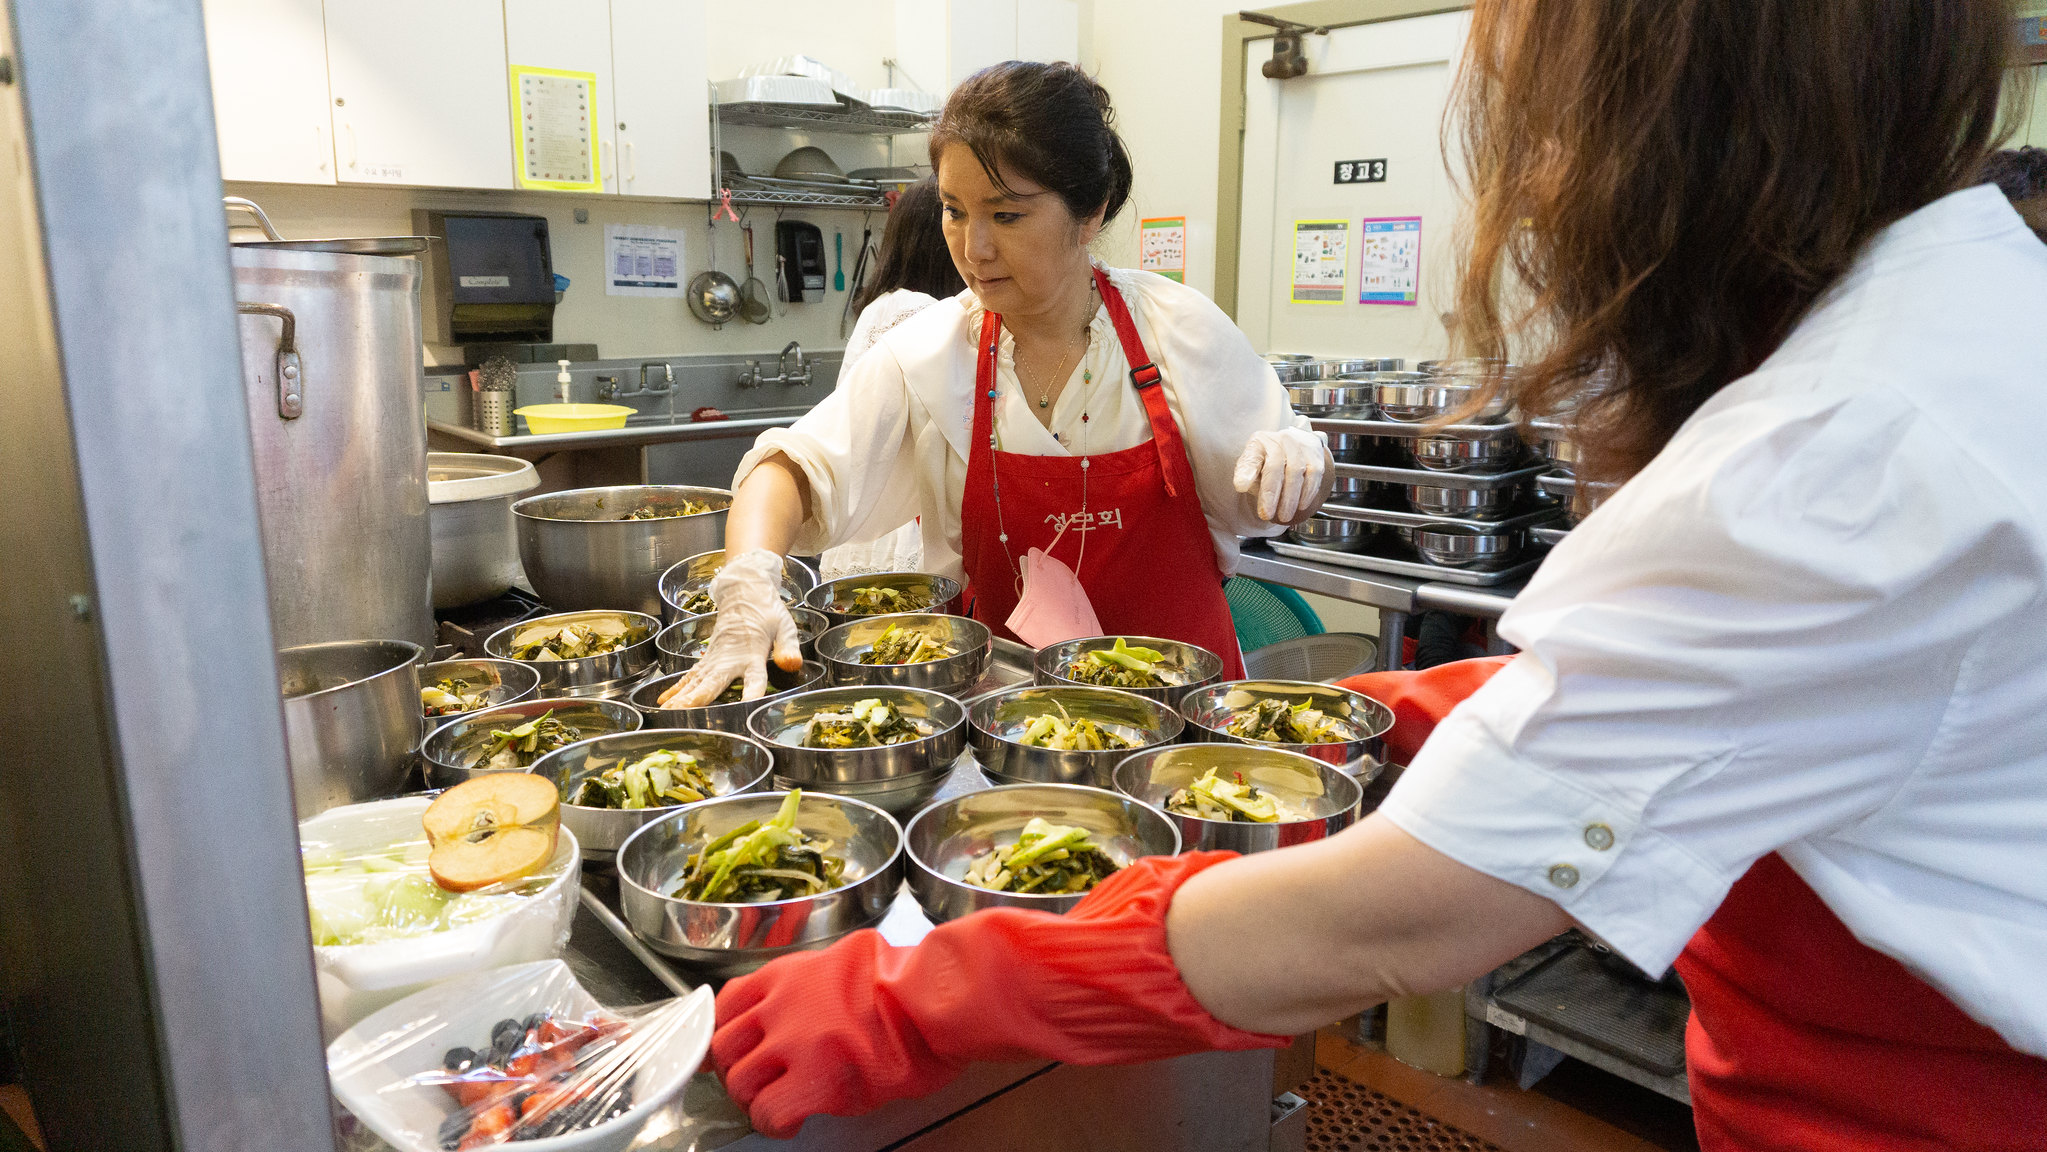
878	601
506	749
1278	722
574	641
1123	666
697	603
900	645
868	724
1213	798
756	862
1049	859
657	780
450	696
686	508
1066	735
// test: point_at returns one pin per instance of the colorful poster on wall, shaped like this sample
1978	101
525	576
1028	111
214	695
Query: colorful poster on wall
556	132
1162	246
641	260
1321	257
1390	260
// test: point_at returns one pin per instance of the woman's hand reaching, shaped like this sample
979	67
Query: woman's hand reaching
1285	469
753	626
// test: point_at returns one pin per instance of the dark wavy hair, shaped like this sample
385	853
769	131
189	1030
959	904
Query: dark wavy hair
913	253
1051	123
1661	188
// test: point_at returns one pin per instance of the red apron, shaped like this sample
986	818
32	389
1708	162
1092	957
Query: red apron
1802	1038
1150	560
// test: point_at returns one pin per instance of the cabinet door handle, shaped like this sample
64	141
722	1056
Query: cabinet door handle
320	149
351	144
632	160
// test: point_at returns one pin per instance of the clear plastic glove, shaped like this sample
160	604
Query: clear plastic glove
1285	470
753	626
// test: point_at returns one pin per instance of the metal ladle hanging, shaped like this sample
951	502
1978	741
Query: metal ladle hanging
713	296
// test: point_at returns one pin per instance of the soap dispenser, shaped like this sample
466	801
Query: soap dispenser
562	382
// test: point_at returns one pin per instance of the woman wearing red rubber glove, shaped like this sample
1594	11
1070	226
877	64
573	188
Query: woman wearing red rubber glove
1778	702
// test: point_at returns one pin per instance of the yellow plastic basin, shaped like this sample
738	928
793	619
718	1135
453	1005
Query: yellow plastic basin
542	419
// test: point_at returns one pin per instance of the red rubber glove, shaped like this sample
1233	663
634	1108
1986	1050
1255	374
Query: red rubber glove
1420	700
847	1029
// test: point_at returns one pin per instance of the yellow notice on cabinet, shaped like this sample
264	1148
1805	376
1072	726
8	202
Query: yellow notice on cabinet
555	129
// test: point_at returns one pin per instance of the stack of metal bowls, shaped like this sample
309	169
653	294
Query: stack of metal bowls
722	717
678	646
832	596
1413	397
946	837
725	940
500	681
1495	451
896	777
581	549
1208	712
1317	800
973	645
1333	533
452	751
1339	367
693	574
996	720
1191	666
1463	546
606	675
733	763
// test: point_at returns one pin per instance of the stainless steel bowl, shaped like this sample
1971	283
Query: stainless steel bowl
1561	452
735	765
1194	666
944	839
1460	503
722	717
678	646
610	674
351	720
501	681
1331	532
1208	710
1413	397
693	574
1325	795
996	720
451	749
1350	448
724	940
1468	369
1334	368
1332	397
1496	451
581	552
1462	546
1290	371
1350	490
944	593
841	647
898	777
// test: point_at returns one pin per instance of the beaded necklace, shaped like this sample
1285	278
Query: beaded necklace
1087	377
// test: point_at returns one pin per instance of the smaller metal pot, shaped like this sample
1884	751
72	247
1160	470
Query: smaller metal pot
1331	532
1414	397
735	765
1461	503
582	552
607	675
469	515
841	647
1462	546
1328	796
1497	451
351	720
1348	399
722	717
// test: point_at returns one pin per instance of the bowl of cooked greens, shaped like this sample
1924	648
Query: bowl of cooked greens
607	547
883	594
729	884
1164	670
678	646
611	785
1064	733
1040	846
452	687
890	747
513	737
1240	796
728	713
913	650
580	653
1331	724
686	587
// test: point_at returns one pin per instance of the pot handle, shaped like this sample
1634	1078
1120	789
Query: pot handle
249	206
291	397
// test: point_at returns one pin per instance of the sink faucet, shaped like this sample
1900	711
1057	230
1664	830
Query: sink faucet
667	378
802	373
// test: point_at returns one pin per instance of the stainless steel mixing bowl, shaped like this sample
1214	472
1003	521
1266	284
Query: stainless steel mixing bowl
944	593
608	675
997	720
693	574
1332	532
724	940
1460	503
1331	397
1324	797
734	763
1336	368
841	647
721	717
501	681
1495	451
451	749
1192	666
1413	397
580	551
944	839
896	777
1210	709
677	646
1462	546
351	720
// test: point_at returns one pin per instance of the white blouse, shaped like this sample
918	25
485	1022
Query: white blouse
1814	625
890	443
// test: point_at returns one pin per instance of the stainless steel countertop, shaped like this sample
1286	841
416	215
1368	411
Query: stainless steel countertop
1387	593
666	430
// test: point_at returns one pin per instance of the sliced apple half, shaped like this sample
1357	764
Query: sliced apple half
493	829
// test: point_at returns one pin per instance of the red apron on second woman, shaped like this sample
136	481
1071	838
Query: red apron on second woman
1149	568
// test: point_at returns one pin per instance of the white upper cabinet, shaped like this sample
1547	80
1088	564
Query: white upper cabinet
421	92
270	103
568	36
946	41
1048	30
661	113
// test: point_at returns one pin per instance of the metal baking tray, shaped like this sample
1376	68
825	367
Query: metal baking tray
1404	429
1403	518
786	91
1480	481
1011	665
1413	569
1558	484
1549	535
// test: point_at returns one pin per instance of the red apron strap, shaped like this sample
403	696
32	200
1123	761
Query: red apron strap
1165	434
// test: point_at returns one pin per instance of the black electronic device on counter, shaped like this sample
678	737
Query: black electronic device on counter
493	277
800	247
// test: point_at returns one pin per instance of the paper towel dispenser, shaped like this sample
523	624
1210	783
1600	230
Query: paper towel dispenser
493	277
801	249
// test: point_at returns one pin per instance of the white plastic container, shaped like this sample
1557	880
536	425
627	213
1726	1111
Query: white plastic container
358	979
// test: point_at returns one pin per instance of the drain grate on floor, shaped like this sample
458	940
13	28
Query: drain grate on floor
1348	1117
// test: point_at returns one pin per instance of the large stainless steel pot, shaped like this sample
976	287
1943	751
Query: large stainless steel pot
351	720
475	550
331	362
